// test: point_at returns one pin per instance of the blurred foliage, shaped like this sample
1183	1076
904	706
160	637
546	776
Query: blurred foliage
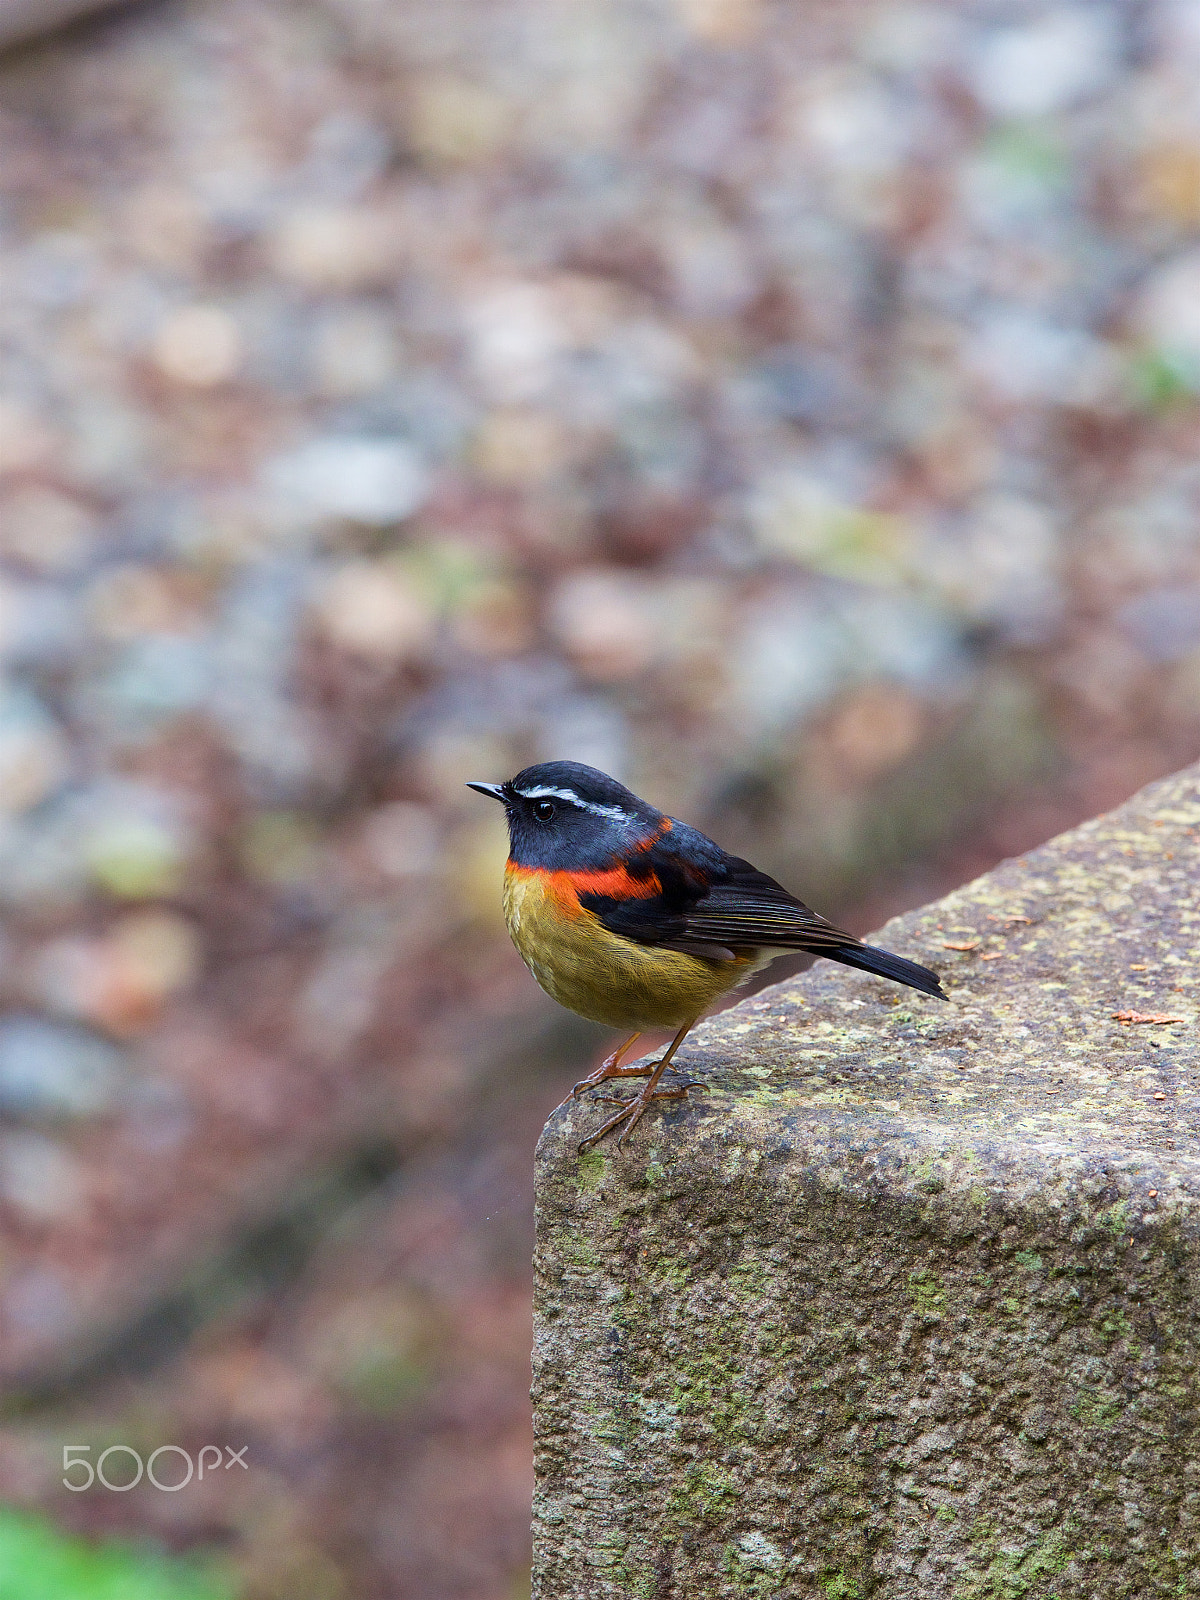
37	1562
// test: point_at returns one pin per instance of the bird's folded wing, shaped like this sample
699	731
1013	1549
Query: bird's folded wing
717	908
696	899
734	916
727	920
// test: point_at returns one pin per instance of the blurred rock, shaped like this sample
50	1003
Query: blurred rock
1104	671
1183	693
720	22
40	1301
515	338
615	625
800	517
130	600
40	625
40	862
347	154
368	607
1047	64
712	271
110	441
1167	314
38	1175
50	1071
45	530
135	842
1023	357
790	655
156	677
455	121
59	268
1003	567
165	226
34	754
255	649
857	135
198	346
371	480
327	247
1016	180
403	839
519	446
496	619
911	639
282	848
27	440
1170	174
912	39
450	756
606	621
380	1349
471	880
24	19
338	1000
354	352
588	728
874	729
120	981
1163	623
801	386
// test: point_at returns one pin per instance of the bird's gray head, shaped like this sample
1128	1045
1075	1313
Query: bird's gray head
563	815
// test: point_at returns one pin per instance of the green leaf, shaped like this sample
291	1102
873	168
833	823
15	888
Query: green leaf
37	1562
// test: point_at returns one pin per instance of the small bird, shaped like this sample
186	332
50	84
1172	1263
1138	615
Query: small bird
633	919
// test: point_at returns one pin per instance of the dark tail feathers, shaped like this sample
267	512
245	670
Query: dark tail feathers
885	965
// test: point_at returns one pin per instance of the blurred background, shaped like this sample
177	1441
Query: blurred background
792	409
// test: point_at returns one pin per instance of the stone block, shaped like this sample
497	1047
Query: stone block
906	1302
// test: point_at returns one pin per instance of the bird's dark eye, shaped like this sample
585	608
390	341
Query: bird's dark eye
544	810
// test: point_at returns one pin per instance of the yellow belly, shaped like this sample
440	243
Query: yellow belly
602	976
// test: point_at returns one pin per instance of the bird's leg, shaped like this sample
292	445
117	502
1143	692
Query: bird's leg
631	1110
611	1067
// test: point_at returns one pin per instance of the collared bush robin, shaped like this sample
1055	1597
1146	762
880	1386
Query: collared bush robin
638	921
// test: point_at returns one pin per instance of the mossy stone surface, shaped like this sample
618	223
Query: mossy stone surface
906	1302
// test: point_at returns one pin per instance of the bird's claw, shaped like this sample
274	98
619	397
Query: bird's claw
594	1080
631	1112
659	1094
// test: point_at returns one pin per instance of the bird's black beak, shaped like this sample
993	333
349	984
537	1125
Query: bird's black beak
495	790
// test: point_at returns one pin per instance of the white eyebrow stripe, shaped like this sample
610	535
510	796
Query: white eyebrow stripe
617	813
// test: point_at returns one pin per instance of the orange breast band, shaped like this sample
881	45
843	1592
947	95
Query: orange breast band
618	883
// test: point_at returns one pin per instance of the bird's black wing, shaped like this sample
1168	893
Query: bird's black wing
718	906
706	897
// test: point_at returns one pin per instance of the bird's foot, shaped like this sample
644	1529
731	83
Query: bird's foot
601	1075
631	1112
659	1094
610	1068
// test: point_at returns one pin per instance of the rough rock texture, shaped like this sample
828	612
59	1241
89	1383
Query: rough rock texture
905	1303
